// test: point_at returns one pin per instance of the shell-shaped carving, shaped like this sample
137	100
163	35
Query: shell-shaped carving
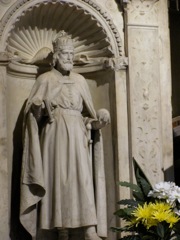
32	36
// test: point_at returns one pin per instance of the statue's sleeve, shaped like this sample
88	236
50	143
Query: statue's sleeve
39	92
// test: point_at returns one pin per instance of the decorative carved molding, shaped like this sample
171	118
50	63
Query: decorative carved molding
145	100
147	133
116	63
32	39
140	6
22	70
20	4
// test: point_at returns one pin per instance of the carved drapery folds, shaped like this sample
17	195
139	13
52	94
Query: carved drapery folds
30	41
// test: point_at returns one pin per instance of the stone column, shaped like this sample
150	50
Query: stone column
121	133
4	185
145	93
123	166
165	84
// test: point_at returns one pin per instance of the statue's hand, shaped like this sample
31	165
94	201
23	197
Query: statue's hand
36	108
103	117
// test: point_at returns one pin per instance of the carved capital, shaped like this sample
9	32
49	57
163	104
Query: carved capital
116	63
140	6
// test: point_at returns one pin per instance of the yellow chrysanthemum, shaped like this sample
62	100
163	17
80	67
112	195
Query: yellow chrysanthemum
172	220
163	212
161	216
153	213
161	206
143	214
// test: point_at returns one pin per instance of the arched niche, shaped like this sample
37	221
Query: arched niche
81	11
27	32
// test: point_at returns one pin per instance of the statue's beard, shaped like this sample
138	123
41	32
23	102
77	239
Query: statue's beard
66	66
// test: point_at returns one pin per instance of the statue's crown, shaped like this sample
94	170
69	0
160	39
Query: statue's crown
62	40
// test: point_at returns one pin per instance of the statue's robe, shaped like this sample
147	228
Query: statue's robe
61	186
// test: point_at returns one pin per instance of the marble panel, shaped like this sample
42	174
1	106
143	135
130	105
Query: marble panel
145	100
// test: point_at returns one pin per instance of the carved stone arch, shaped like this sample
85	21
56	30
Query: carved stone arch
24	31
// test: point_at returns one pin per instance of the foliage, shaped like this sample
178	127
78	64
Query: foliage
153	212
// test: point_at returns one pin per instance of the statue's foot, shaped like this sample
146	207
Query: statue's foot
91	234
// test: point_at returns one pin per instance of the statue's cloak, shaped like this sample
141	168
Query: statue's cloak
32	176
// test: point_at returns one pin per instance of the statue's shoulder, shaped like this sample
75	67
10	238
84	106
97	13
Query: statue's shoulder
78	77
45	77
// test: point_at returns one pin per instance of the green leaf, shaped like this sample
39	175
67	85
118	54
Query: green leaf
160	230
137	192
117	229
124	213
132	237
139	196
123	229
149	237
132	186
141	179
129	202
176	228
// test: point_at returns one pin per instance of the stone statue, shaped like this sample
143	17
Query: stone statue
62	185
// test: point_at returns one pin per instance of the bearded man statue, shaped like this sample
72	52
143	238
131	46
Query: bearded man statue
62	183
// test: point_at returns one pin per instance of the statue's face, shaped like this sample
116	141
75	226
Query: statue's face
65	59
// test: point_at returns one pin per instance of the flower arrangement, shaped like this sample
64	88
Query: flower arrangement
153	213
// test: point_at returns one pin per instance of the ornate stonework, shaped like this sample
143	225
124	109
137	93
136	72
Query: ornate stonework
141	6
145	100
102	18
146	117
116	63
30	37
141	11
